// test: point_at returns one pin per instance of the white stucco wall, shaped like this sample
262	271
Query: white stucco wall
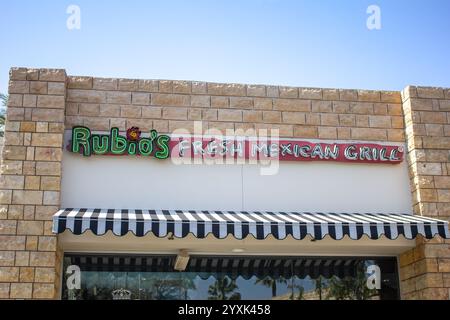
146	183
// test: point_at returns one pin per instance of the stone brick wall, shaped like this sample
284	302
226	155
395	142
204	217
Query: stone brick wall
30	184
425	270
100	104
43	102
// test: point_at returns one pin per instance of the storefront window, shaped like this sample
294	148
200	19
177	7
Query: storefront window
105	277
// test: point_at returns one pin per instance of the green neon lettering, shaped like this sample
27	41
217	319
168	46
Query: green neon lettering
118	143
80	138
100	144
163	145
145	147
132	148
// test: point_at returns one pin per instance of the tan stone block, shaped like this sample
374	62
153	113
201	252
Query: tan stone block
428	195
361	108
30	153
434	130
284	130
52	75
369	134
380	109
341	107
88	109
31	243
256	91
195	114
47	243
44	291
45	275
175	100
209	114
220	102
14	212
310	93
292	105
11	167
444	105
230	115
4	290
162	126
45	212
151	112
391	96
21	290
9	274
89	96
181	86
430	92
12	126
118	123
32	183
52	102
7	258
14	139
166	86
26	273
442	182
394	110
22	258
109	110
48	154
48	228
142	124
436	142
344	133
16	86
14	153
28	212
380	121
38	87
149	85
130	111
15	100
12	242
226	89
27	126
8	227
33	74
47	140
397	122
347	120
201	101
15	114
51	197
42	259
76	82
288	92
429	168
271	116
140	98
11	182
328	119
105	84
31	228
322	106
241	102
306	132
118	97
55	115
330	94
16	73
57	88
5	196
252	116
312	119
294	117
27	197
348	95
443	195
171	113
101	124
128	84
198	87
369	96
52	127
184	126
327	133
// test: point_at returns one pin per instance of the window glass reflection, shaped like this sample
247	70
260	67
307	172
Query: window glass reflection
230	278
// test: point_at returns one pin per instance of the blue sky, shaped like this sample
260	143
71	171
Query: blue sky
314	43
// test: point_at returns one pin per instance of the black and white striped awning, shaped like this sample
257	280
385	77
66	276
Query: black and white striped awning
240	224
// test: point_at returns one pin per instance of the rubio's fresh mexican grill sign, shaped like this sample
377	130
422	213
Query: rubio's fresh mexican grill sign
152	144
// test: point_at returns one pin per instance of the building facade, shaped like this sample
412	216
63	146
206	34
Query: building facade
245	230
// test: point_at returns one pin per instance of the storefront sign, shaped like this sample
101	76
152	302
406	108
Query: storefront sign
163	146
